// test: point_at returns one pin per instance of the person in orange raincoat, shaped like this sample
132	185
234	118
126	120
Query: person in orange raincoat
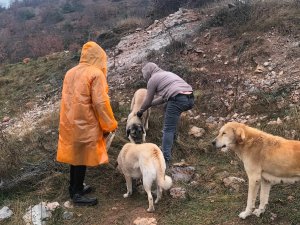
85	118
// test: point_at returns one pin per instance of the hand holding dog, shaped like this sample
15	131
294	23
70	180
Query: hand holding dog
139	114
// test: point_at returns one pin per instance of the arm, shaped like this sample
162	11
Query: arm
159	100
151	89
101	104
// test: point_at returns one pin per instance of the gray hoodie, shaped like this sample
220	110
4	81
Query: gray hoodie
162	83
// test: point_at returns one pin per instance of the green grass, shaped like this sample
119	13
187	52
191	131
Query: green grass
23	85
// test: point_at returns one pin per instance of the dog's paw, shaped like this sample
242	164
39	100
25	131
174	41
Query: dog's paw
126	195
244	214
151	209
258	212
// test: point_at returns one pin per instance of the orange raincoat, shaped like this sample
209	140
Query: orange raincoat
85	112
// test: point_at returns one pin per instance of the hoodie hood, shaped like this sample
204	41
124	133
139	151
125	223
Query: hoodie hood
149	69
93	54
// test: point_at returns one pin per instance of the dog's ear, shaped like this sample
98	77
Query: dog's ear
240	135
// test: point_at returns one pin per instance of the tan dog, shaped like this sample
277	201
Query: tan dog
144	161
136	127
267	159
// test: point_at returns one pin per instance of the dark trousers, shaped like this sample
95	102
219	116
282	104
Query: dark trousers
175	106
77	175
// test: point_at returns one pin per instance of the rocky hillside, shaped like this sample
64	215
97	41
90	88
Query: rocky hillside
242	60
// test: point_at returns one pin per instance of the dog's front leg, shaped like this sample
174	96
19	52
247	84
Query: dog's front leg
129	186
264	197
252	194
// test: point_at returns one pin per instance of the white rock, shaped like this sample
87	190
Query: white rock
197	131
145	221
68	205
5	213
37	214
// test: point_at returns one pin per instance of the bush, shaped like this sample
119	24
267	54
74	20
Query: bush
175	46
258	17
74	6
25	14
52	16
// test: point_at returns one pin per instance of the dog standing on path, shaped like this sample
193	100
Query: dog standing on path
267	159
136	127
144	161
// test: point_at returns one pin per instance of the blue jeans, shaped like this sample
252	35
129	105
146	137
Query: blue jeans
175	106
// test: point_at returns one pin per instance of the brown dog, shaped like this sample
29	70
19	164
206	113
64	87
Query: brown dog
267	159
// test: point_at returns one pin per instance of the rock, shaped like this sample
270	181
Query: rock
145	221
233	183
197	131
198	50
210	119
5	213
266	64
52	206
181	163
273	216
221	175
26	60
254	90
68	205
279	121
259	69
182	173
178	193
5	119
37	214
67	215
123	120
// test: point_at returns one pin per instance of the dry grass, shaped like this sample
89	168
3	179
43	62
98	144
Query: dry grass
258	16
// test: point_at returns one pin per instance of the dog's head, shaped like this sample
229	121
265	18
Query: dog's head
230	135
135	133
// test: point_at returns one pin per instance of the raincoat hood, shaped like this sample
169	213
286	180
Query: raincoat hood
149	69
93	54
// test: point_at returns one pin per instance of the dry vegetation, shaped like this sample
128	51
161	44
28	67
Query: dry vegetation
209	202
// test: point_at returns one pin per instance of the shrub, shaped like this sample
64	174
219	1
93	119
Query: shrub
175	46
52	16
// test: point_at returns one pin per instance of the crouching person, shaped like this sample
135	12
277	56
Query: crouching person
85	117
172	89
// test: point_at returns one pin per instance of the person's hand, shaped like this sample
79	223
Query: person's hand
139	114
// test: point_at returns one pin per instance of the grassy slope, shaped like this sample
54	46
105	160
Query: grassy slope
209	202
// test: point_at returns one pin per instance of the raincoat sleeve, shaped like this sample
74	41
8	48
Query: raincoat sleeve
101	104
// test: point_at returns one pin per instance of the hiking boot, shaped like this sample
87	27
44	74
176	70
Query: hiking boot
86	190
81	200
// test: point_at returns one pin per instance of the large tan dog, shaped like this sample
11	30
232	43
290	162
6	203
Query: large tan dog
267	159
144	161
136	127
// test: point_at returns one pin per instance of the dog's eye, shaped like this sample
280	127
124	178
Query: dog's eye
223	133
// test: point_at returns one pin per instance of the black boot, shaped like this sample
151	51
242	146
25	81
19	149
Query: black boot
81	200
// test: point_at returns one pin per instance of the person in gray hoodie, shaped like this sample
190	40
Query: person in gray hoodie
169	88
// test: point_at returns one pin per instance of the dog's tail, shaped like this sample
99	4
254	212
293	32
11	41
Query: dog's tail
165	182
